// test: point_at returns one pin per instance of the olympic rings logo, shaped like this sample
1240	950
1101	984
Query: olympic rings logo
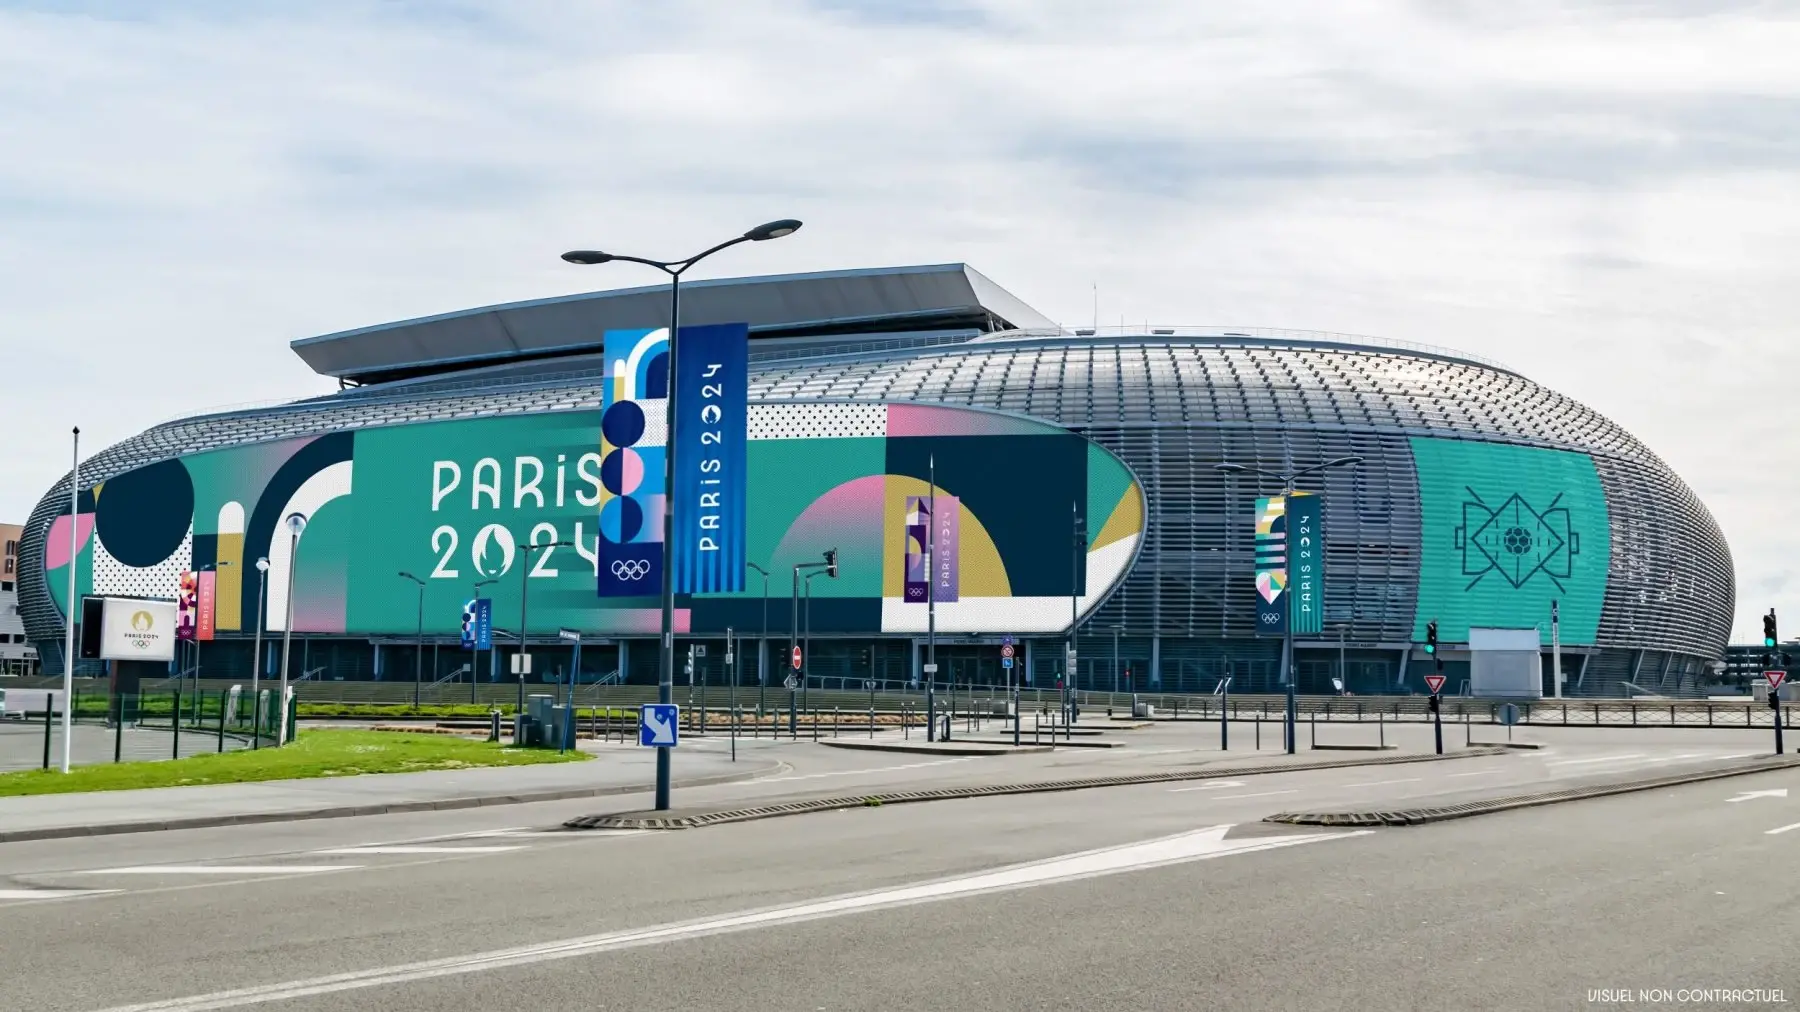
1268	618
631	569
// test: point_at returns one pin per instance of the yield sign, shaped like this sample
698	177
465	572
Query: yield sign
1775	678
1435	683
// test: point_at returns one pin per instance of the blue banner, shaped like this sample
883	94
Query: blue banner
484	623
633	441
1306	563
711	426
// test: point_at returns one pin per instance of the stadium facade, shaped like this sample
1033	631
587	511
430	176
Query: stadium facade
1086	465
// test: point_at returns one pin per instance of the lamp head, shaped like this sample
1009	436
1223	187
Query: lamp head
296	523
773	230
262	565
587	256
1229	468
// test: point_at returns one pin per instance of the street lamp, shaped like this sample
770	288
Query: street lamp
296	524
475	661
524	591
418	641
262	596
665	679
762	645
828	564
1287	634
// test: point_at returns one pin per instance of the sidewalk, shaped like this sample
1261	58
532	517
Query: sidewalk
612	771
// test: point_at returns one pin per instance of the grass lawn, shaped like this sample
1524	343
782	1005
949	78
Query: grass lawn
313	754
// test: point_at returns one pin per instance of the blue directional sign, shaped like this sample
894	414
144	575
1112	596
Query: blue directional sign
659	725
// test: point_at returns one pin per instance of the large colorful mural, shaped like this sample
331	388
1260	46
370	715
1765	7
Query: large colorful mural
456	503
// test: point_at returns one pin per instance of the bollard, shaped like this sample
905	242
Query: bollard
1381	729
1259	734
118	726
1312	724
48	709
175	725
837	719
815	723
222	695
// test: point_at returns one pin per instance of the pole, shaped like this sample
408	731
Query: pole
1555	651
287	628
262	596
762	649
1343	665
731	668
1775	703
794	644
1116	662
1069	663
524	592
665	676
1437	707
70	602
1287	653
806	646
418	649
931	598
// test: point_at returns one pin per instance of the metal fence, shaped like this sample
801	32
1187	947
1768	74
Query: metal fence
136	728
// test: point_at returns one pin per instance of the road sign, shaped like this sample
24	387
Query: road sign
1435	683
1775	678
1007	640
790	683
869	683
521	664
931	669
1006	662
1508	714
699	650
569	635
659	725
796	658
1006	651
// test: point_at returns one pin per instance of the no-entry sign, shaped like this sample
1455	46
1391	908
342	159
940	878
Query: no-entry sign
796	658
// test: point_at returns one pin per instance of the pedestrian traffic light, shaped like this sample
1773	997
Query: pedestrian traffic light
831	562
1431	637
1434	702
1769	628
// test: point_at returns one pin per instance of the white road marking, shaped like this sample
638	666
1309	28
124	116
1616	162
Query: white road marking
219	869
1207	787
1781	829
1595	759
50	894
1198	845
1384	783
877	769
1263	794
1779	792
1476	773
420	849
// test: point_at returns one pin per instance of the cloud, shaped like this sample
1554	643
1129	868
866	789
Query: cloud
1599	195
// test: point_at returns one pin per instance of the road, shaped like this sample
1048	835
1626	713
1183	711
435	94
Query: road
999	903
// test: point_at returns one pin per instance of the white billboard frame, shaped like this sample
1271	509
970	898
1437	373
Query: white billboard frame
137	629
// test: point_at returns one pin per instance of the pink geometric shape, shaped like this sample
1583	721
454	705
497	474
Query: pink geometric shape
56	546
631	470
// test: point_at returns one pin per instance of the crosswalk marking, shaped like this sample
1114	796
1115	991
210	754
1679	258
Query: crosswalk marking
420	849
219	869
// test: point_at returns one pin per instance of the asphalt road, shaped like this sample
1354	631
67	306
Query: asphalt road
1189	903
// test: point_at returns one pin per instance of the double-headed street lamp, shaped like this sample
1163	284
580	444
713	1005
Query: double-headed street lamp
256	668
665	678
1287	635
418	641
762	645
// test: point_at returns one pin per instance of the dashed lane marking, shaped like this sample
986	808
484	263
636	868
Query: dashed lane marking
877	769
1781	829
1260	794
220	869
421	849
50	894
1383	783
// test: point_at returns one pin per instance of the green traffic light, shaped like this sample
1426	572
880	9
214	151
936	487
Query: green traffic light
1431	648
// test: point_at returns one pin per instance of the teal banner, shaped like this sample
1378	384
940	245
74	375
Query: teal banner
1306	564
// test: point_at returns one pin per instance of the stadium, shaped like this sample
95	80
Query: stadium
458	460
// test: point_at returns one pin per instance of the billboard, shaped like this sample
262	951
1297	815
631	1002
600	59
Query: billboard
1306	563
1271	566
1506	530
458	502
137	630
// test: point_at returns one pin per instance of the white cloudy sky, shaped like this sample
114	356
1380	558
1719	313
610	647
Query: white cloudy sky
1601	195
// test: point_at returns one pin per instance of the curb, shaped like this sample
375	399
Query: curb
1505	744
831	804
988	748
1426	816
354	811
1361	748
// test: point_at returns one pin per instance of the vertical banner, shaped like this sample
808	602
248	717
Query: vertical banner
712	396
943	543
633	441
1306	563
484	623
187	601
468	624
207	600
1271	566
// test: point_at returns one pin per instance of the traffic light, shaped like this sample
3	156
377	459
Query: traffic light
1431	637
831	562
1769	629
1434	702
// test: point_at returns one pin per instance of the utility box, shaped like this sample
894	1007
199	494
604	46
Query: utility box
1506	664
1143	711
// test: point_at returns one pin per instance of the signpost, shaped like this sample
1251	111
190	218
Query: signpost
793	683
659	725
1775	679
571	636
1508	714
1435	682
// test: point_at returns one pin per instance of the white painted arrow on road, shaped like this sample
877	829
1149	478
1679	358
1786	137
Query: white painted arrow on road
1779	792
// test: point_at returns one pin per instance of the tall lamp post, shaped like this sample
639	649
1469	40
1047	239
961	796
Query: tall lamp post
665	677
524	592
418	641
475	660
296	524
70	603
762	645
256	666
1287	634
829	564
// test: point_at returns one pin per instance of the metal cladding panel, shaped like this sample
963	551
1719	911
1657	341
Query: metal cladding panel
1172	408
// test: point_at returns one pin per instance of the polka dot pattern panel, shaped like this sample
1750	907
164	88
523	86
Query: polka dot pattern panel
828	421
112	577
